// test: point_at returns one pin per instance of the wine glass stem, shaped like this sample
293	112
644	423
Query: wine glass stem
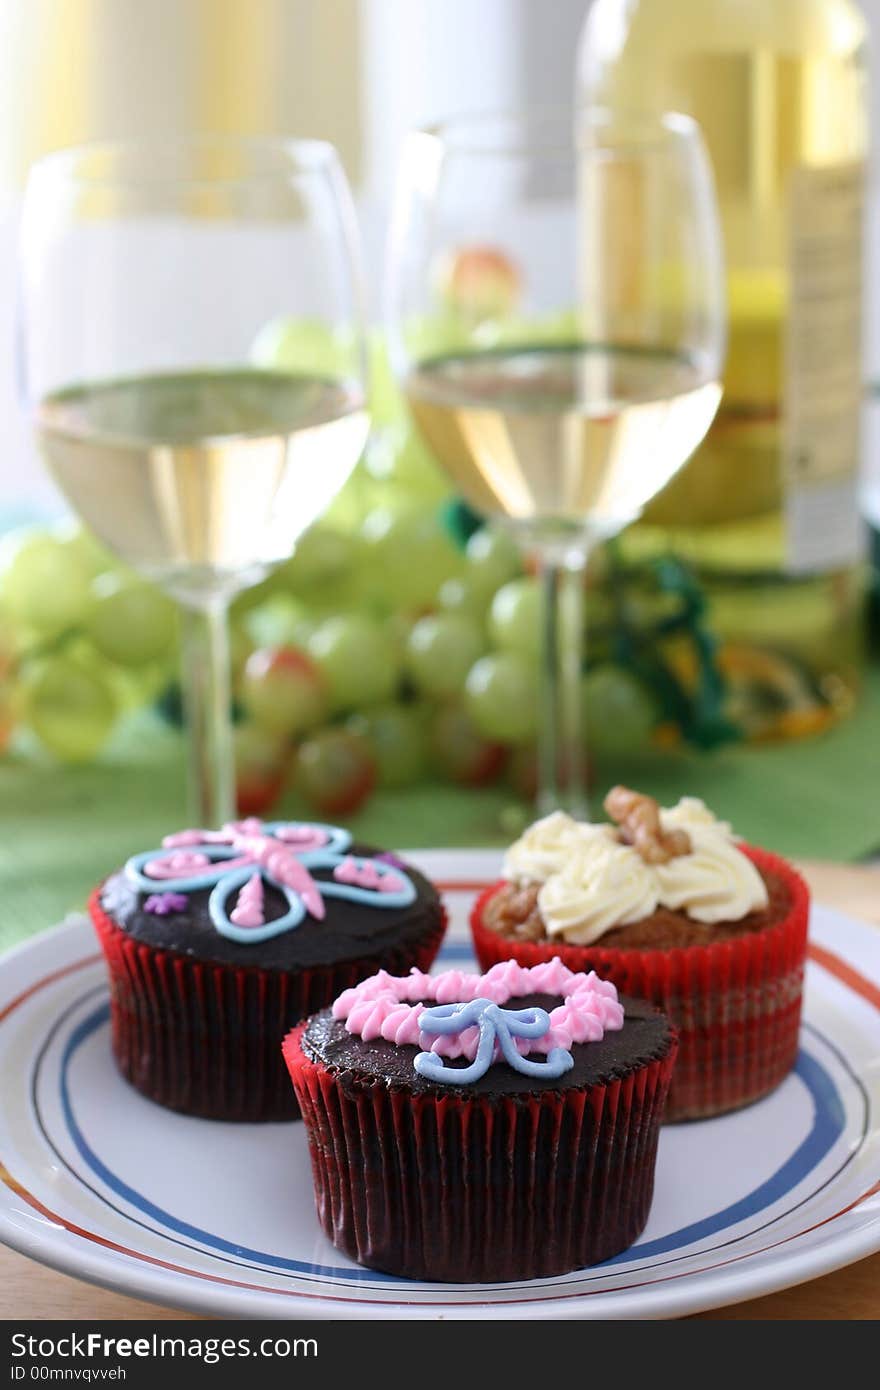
207	698
561	761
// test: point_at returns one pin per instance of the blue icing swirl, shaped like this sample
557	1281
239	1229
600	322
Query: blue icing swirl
282	855
497	1027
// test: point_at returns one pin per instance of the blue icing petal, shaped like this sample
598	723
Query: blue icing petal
496	1025
331	888
190	884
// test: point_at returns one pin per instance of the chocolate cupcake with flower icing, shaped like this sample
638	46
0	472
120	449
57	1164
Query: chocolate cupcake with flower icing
483	1128
671	906
217	942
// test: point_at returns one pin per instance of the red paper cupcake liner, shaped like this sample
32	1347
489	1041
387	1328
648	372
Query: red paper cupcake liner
204	1038
736	1003
482	1189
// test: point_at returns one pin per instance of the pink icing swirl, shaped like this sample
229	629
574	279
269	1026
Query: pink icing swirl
180	865
389	1006
248	910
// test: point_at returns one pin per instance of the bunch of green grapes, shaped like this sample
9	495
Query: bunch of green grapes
375	658
81	640
394	686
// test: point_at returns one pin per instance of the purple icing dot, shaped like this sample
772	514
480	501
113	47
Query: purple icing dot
392	859
161	904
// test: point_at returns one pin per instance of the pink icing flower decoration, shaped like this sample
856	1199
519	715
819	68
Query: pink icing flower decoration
390	1007
248	910
180	865
183	838
367	875
302	837
301	862
390	883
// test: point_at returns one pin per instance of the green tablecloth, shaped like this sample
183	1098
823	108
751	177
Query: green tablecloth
62	828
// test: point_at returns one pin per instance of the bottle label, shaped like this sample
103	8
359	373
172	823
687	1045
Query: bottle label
823	374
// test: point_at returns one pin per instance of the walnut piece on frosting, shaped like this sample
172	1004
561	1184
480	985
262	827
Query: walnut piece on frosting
638	817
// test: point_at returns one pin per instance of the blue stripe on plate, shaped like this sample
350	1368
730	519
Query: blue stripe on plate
828	1125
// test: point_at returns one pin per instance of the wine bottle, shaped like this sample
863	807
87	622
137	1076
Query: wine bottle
767	510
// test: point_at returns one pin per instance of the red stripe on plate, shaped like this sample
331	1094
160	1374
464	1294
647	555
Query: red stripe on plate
845	973
837	967
48	980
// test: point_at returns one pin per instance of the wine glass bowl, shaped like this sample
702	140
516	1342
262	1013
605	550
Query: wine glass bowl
149	271
571	366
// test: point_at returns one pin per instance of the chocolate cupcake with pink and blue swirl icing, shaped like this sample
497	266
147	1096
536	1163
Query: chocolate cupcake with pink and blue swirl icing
217	942
483	1128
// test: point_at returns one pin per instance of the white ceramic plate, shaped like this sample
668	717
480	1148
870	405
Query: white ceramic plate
104	1185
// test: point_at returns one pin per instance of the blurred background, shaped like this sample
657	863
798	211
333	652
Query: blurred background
360	73
775	732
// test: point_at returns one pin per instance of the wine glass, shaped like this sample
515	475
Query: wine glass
149	271
556	314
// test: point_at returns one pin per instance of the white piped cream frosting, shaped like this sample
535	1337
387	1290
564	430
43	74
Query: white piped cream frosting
693	814
715	882
590	882
607	886
549	845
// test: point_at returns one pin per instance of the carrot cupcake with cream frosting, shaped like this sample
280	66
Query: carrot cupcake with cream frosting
672	907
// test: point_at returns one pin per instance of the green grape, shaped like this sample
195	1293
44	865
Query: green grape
46	584
458	595
322	555
398	627
398	457
396	736
439	334
244	603
241	644
492	560
501	695
7	720
9	646
131	622
619	713
281	621
135	687
358	660
283	691
335	771
324	570
440	652
261	761
479	283
407	556
70	707
85	546
515	618
459	752
359	495
303	345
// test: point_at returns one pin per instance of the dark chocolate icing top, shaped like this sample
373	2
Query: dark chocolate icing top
349	931
646	1036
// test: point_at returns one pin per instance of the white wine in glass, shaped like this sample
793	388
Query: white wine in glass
562	432
148	271
200	479
568	415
